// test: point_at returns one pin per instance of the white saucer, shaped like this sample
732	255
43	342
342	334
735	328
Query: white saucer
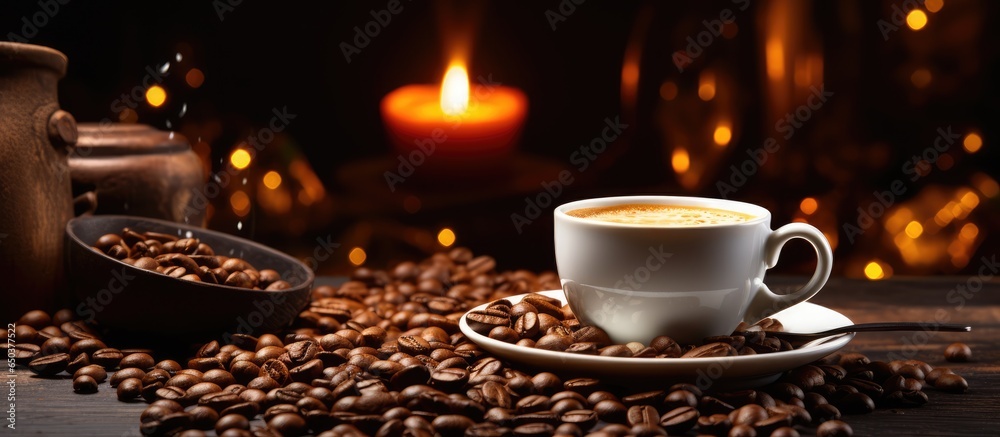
740	371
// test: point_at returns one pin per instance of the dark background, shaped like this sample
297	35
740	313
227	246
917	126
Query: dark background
263	55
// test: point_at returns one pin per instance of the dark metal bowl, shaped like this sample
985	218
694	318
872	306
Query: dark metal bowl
119	296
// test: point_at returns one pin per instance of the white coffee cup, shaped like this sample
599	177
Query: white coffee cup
638	281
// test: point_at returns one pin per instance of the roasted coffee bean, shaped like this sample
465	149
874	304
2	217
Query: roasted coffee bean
932	376
484	321
197	391
49	365
231	421
899	398
869	388
55	345
586	348
219	401
138	360
716	424
203	418
853	361
554	342
742	431
504	334
414	345
910	371
855	403
834	428
496	395
611	411
616	350
824	412
107	357
711	350
798	414
288	424
277	371
39	319
642	415
748	415
527	325
680	398
583	419
170	393
583	386
170	366
449	379
950	382
958	353
738	398
785	391
806	377
534	429
598	396
531	404
563	405
93	371
654	398
813	399
767	426
129	389
84	384
679	420
833	373
182	380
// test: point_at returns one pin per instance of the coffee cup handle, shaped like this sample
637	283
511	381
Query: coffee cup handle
765	302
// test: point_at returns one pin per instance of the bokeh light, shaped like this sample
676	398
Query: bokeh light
808	205
680	160
194	78
446	237
873	271
914	229
156	96
357	256
723	134
240	203
240	159
916	19
972	142
272	180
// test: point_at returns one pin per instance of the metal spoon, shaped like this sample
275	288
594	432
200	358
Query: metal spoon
796	337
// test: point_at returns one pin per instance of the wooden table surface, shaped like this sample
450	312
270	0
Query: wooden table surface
49	407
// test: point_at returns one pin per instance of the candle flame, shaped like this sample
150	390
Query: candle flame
455	90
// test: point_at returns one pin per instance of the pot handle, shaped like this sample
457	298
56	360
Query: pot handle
85	204
62	129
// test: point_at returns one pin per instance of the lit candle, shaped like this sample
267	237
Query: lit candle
454	122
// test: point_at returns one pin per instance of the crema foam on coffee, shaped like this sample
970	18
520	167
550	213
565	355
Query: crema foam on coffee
661	215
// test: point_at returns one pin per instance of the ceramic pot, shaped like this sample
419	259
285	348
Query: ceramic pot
35	193
134	169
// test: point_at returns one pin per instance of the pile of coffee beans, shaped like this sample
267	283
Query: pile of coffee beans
186	258
542	322
382	355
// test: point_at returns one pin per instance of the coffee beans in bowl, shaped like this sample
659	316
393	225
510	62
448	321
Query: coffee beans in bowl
186	258
167	279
